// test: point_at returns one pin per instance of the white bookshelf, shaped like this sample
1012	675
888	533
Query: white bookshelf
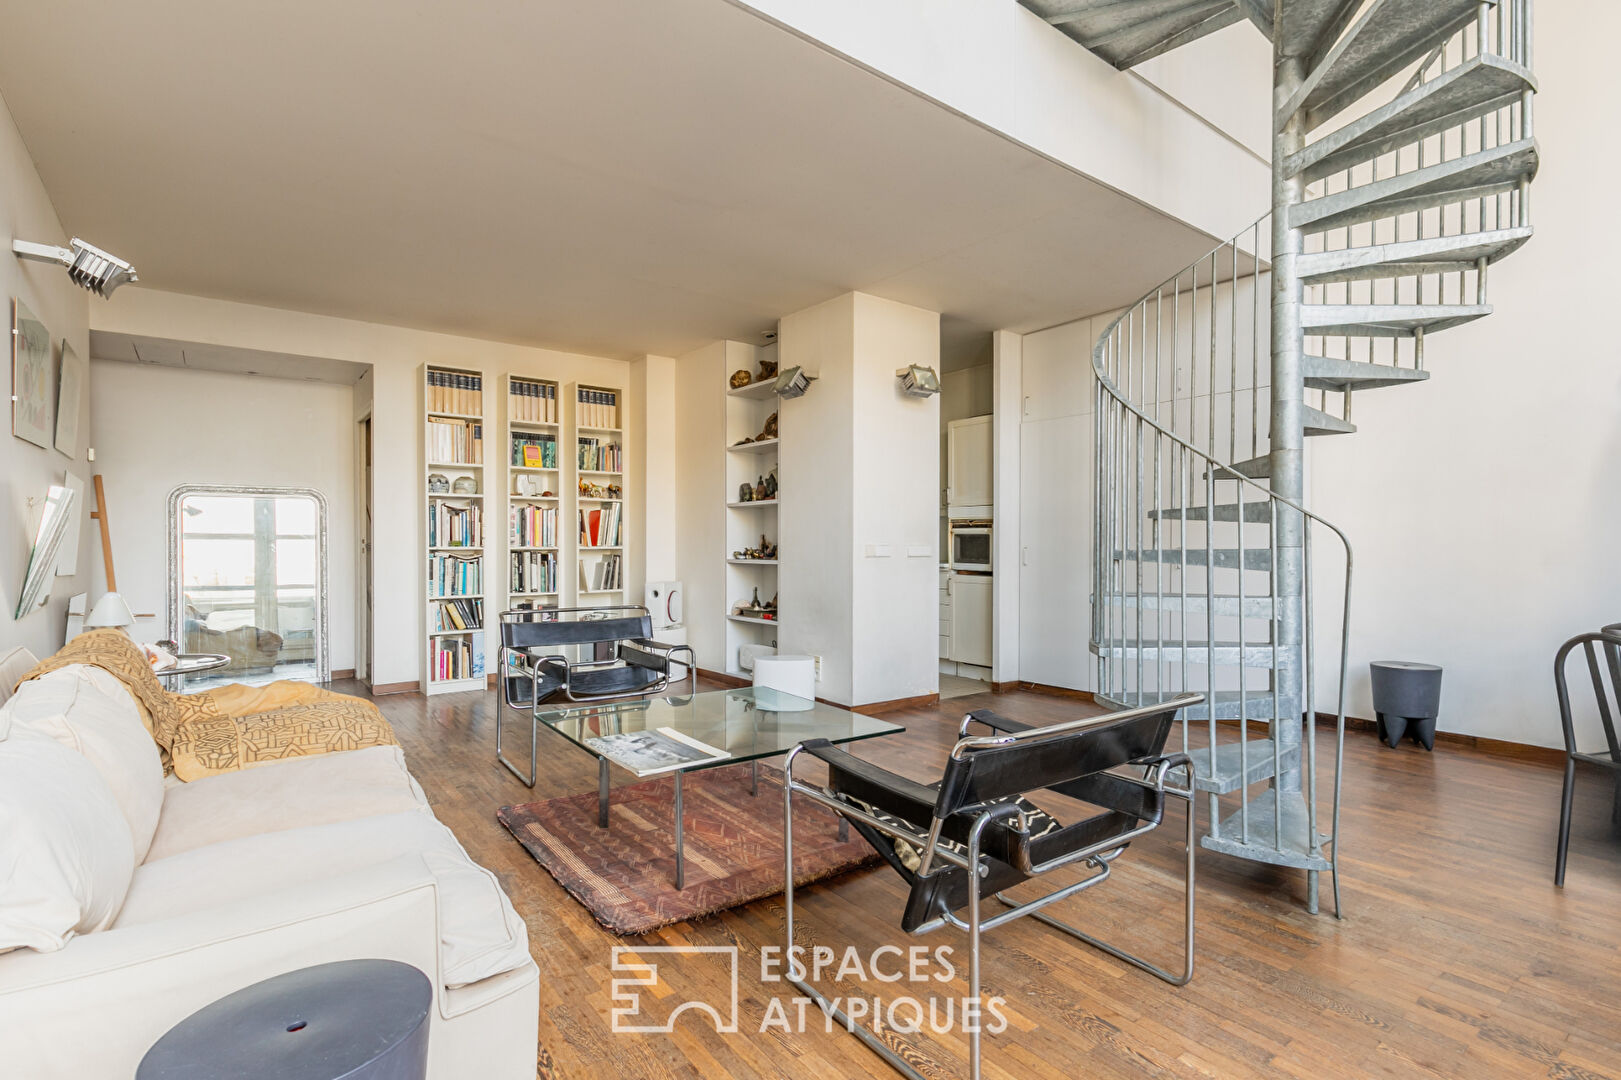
747	408
456	444
532	557
596	446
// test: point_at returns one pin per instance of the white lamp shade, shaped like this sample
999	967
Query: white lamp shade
110	610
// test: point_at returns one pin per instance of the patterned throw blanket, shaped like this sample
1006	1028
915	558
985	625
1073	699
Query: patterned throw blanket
229	727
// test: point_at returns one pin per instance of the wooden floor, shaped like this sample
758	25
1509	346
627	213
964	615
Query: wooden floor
1457	957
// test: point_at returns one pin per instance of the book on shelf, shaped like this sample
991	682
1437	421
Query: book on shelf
456	658
532	526
647	753
455	392
534	451
455	526
600	455
597	408
455	442
457	615
602	527
531	401
533	572
603	573
455	575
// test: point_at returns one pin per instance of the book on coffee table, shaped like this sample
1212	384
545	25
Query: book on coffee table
659	750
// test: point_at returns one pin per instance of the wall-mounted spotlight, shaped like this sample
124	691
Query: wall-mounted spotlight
88	265
793	382
918	381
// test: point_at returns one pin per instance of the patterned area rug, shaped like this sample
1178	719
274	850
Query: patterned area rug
625	874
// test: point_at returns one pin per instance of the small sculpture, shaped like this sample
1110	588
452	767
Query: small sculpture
772	607
768	369
770	431
771	484
741	378
756	602
745	493
759	488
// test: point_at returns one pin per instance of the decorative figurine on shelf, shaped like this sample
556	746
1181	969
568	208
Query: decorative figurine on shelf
615	491
438	484
759	488
744	441
771	484
772	607
741	378
745	492
756	602
768	369
770	431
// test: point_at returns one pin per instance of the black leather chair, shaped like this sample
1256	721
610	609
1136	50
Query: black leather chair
615	656
974	835
1607	697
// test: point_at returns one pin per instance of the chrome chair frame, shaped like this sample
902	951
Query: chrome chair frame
532	663
1610	640
1099	856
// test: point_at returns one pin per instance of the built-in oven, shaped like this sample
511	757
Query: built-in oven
970	540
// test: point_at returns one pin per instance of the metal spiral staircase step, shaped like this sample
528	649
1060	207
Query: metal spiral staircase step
1386	320
1256	705
1437	254
1389	36
1487	172
1317	422
1256	468
1334	373
1253	607
1127	32
1292	848
1238	765
1256	512
1478	86
1194	653
1225	558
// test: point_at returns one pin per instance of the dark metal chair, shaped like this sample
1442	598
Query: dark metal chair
973	834
1607	697
617	657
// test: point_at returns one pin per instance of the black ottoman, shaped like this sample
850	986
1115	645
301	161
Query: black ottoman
1406	693
353	1020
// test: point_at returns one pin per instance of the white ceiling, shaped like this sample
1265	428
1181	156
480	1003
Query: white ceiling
605	176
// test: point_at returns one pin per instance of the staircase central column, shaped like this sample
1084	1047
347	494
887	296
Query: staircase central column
1287	459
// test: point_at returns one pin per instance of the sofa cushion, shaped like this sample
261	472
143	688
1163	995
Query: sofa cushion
480	934
285	795
65	856
86	709
14	664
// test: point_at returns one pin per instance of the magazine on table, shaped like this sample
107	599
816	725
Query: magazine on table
660	750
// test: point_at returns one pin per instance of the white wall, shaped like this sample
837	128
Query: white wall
157	428
26	470
700	485
1003	66
396	355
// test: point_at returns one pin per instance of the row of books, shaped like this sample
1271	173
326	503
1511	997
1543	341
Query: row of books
457	442
455	575
598	455
533	572
455	526
534	451
457	615
601	528
532	526
596	408
532	402
457	658
455	392
602	575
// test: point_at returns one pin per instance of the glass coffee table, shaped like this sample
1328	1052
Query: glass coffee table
653	736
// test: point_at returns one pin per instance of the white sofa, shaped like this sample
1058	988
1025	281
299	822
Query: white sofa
224	882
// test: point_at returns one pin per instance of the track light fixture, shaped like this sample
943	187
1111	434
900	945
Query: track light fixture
792	383
88	266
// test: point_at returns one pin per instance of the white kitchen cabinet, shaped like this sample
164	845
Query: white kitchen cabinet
971	619
969	477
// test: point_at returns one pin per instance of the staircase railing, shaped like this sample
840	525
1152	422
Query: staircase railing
1181	395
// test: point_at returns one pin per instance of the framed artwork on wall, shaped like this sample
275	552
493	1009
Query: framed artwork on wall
32	401
69	400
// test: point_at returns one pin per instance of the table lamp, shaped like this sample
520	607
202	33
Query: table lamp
110	610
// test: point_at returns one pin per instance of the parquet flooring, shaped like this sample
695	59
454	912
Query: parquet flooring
1458	958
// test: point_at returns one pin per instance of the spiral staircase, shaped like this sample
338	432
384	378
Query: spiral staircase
1402	157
